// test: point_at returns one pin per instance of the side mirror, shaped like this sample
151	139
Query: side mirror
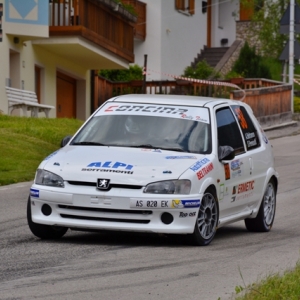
226	153
65	140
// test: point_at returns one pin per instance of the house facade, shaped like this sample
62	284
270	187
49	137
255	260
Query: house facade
50	48
177	30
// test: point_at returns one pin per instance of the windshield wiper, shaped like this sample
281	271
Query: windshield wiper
173	149
149	146
89	144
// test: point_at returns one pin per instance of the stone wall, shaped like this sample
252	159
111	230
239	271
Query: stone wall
244	32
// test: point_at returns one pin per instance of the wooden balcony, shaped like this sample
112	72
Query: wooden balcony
99	22
140	25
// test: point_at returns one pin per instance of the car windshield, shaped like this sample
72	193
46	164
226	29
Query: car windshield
146	131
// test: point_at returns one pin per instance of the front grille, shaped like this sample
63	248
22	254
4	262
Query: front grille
67	213
106	210
105	219
112	185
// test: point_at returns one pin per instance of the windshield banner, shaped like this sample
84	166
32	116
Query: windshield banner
199	114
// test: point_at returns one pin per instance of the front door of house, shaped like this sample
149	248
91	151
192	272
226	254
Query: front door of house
65	96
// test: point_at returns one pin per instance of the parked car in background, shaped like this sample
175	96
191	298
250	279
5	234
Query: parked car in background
158	163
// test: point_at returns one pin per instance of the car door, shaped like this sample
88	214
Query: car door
234	175
258	157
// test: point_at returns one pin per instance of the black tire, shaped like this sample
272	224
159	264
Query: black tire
207	220
266	214
45	232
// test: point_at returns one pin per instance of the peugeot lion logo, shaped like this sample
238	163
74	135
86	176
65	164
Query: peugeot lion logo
102	184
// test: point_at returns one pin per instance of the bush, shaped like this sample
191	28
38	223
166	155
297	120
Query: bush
134	72
251	65
202	71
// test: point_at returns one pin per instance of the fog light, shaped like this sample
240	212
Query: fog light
167	218
46	210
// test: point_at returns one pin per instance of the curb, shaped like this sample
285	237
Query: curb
282	125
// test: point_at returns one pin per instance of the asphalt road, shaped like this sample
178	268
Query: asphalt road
132	266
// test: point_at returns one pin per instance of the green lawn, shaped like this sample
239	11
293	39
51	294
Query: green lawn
25	142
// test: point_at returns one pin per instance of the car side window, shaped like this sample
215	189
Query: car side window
249	131
228	130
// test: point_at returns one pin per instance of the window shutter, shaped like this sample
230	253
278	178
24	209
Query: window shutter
179	4
192	7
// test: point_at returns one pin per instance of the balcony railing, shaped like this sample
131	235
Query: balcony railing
98	21
140	25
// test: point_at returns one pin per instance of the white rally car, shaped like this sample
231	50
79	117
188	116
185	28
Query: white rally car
158	163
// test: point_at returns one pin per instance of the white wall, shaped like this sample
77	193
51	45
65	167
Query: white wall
173	39
224	15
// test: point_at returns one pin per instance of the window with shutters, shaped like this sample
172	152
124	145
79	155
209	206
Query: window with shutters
185	6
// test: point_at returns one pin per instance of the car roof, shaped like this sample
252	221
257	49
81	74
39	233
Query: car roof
174	100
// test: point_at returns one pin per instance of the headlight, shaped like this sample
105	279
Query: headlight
182	187
47	178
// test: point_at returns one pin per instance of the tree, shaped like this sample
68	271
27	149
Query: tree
251	65
265	25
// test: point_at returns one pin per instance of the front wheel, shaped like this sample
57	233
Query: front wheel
44	231
207	220
266	214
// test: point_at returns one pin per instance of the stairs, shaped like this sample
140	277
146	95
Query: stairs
211	55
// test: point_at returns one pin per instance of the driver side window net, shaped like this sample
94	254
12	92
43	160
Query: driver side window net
228	131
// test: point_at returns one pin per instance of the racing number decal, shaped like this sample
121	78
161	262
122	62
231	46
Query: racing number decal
227	171
241	118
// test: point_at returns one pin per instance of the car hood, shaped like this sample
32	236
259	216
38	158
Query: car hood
121	165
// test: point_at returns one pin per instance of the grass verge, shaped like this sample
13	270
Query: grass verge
25	142
275	287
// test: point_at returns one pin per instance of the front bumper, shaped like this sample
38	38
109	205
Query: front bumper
86	208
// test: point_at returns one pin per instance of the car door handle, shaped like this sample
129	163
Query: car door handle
251	164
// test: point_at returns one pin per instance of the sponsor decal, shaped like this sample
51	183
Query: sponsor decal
243	187
34	193
199	164
197	118
167	172
235	164
184	215
241	118
251	143
249	135
192	113
108	164
264	136
242	196
106	170
227	171
147	109
151	150
185	203
205	170
117	167
51	155
236	173
181	157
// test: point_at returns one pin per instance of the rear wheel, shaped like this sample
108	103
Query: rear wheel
207	220
44	231
266	214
